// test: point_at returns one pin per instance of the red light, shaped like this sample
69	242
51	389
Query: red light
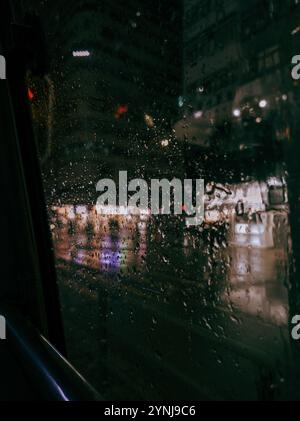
122	109
30	94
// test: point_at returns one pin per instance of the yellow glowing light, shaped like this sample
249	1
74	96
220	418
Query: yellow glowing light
149	120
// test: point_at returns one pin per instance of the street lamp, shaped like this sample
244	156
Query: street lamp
263	103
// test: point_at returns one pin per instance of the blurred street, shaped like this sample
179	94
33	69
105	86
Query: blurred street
158	306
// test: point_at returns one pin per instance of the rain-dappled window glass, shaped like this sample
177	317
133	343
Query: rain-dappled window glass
168	135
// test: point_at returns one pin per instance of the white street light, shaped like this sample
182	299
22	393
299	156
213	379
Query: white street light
263	103
236	112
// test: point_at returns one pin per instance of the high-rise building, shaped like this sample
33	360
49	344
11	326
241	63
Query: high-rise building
237	64
114	72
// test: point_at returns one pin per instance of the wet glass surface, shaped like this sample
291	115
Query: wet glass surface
154	309
219	303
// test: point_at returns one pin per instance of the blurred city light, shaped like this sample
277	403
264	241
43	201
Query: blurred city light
30	94
149	120
263	103
122	109
295	30
198	114
236	112
83	53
